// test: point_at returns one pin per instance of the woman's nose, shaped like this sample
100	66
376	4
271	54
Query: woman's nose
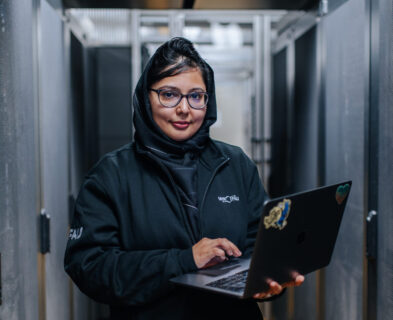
182	106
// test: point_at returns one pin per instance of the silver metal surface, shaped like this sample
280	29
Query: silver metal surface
110	27
18	203
176	23
97	27
199	4
258	94
267	99
56	4
112	74
255	4
54	158
136	55
323	7
294	28
382	60
262	94
304	144
334	4
320	301
200	279
290	65
346	77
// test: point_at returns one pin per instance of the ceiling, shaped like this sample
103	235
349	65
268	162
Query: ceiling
98	27
192	4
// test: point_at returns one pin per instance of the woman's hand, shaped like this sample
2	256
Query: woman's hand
209	252
276	288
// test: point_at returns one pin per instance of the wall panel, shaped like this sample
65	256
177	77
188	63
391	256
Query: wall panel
18	179
385	160
345	101
54	160
113	97
304	147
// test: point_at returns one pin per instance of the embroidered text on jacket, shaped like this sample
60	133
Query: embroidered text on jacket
228	199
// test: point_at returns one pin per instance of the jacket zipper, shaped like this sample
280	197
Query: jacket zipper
183	213
205	193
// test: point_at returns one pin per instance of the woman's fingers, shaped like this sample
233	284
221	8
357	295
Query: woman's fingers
230	248
208	252
275	288
261	295
298	279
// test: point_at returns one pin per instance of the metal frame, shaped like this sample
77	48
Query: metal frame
266	105
261	135
136	58
257	152
290	57
174	18
295	30
67	57
74	26
321	162
176	23
370	266
37	57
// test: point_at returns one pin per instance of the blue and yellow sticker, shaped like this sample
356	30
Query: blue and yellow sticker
278	215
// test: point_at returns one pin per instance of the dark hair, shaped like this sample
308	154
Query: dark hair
174	57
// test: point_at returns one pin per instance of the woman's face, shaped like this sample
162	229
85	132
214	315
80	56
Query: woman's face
180	122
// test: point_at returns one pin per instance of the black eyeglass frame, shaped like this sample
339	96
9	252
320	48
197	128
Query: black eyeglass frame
158	91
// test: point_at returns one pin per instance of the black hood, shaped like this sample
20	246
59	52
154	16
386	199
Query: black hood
148	133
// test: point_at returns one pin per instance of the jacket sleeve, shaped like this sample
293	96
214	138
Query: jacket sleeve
102	269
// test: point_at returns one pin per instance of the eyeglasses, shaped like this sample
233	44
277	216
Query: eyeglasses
170	98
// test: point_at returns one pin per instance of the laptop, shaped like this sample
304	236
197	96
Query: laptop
297	233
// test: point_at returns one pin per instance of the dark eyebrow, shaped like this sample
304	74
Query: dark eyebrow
177	89
193	89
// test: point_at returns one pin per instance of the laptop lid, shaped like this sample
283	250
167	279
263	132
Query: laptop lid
297	234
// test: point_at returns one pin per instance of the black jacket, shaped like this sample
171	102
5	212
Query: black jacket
129	234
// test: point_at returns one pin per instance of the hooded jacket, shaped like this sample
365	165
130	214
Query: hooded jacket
130	234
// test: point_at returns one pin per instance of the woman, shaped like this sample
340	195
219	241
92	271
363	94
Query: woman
152	210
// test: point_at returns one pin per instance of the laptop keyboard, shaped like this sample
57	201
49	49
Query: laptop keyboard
236	282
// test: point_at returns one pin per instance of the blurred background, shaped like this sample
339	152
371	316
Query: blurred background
303	86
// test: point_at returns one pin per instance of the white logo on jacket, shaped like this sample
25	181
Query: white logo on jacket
75	234
228	199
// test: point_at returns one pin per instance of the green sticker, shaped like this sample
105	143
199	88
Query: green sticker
341	193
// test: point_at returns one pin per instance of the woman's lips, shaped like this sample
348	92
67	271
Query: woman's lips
180	124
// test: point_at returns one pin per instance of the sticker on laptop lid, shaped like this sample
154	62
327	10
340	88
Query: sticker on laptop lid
341	193
278	215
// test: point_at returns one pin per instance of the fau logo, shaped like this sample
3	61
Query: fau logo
75	234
